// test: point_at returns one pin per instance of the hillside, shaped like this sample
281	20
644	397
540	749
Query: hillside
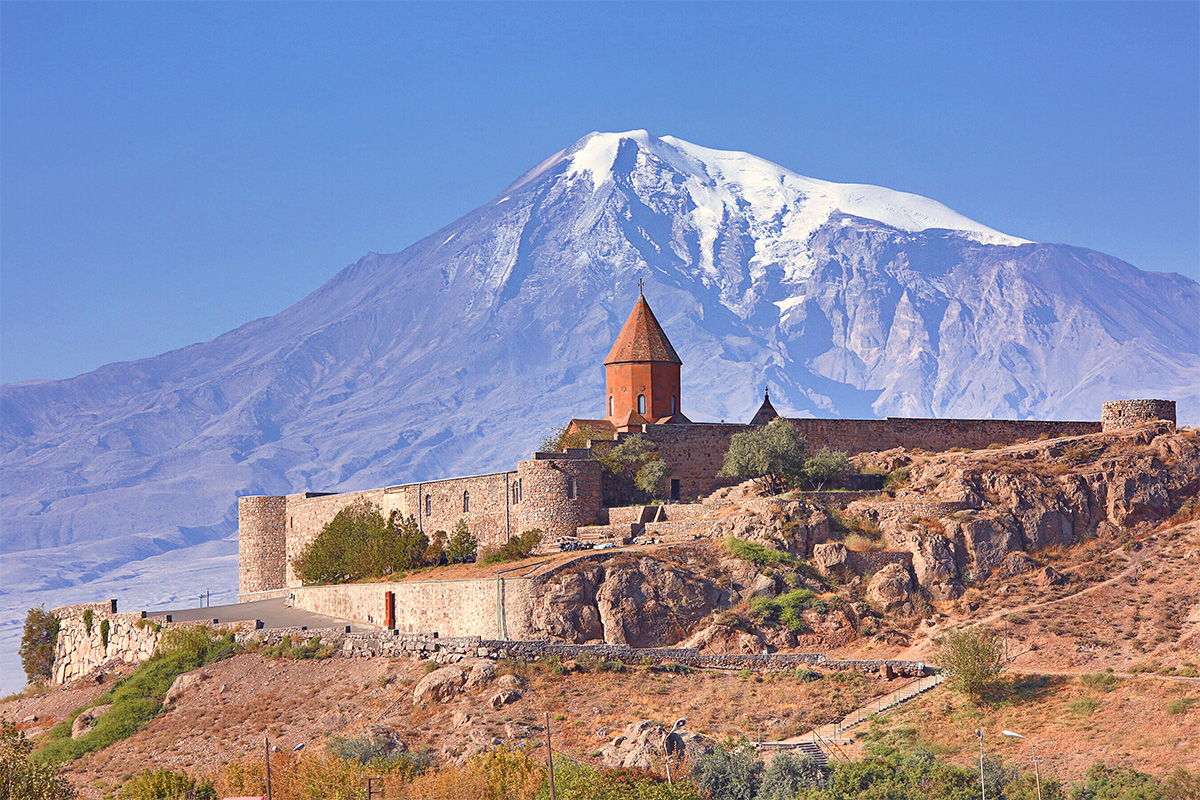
1103	631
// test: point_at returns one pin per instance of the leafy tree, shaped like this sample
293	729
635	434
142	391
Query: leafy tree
823	466
774	454
652	476
788	774
37	644
728	774
154	784
404	546
635	468
628	456
563	437
435	553
463	545
339	552
21	778
972	659
358	543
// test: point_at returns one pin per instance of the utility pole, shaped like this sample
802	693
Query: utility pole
267	739
371	790
982	786
550	758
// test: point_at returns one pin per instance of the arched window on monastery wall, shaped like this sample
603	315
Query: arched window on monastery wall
641	404
466	502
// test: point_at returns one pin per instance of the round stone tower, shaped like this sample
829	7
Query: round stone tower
262	550
1119	414
560	493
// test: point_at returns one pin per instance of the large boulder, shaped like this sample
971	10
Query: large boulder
181	685
644	743
439	686
652	603
832	558
890	587
86	719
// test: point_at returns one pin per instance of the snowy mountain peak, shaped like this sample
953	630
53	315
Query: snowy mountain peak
722	182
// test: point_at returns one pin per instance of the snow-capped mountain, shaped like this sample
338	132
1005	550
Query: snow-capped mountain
452	356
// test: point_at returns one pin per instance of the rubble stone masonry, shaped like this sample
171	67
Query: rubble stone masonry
1118	414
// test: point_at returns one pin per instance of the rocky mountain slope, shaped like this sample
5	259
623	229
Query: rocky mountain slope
449	357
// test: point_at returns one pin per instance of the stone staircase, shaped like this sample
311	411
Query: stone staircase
829	738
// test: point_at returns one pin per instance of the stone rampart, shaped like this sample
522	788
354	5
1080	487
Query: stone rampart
1121	414
495	607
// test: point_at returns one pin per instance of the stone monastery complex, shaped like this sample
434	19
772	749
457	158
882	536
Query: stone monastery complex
562	493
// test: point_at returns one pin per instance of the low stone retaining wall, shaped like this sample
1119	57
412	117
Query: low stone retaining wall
391	644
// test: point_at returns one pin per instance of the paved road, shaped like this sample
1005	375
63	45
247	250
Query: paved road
273	613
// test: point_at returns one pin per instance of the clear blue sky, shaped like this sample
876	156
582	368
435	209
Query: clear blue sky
169	171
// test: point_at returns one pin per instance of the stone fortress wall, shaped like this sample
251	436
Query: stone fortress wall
561	492
554	492
696	452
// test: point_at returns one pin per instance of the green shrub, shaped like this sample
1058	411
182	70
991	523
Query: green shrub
972	659
728	773
1084	706
516	548
1099	681
824	466
788	775
88	617
784	609
37	644
298	648
1180	705
758	554
104	629
163	784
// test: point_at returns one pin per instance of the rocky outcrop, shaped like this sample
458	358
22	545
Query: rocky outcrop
789	526
86	719
86	643
651	601
979	514
565	607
